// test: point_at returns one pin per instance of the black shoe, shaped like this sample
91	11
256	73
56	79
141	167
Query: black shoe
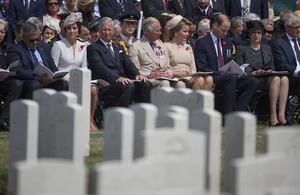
286	124
3	125
276	125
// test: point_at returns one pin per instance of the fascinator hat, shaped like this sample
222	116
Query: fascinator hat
73	18
174	21
3	24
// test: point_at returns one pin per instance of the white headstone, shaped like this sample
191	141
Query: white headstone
23	143
144	120
283	140
50	176
200	99
210	122
119	134
80	84
179	96
240	141
161	96
173	116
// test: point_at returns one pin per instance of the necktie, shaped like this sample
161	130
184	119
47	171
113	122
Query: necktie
165	4
110	50
35	60
152	45
26	6
122	5
204	13
296	49
245	7
220	57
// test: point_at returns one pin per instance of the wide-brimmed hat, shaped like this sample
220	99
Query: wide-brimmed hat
278	27
253	26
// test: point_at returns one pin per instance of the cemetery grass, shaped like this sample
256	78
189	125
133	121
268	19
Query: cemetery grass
96	151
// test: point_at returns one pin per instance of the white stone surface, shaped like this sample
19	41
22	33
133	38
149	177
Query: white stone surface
80	84
160	96
50	176
240	139
144	120
23	144
210	123
200	99
173	116
179	96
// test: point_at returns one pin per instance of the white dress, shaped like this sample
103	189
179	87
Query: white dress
64	58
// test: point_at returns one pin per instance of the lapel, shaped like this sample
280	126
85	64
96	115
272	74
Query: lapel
212	46
118	5
146	46
27	53
117	54
42	54
22	8
289	48
160	4
107	52
238	4
225	51
31	6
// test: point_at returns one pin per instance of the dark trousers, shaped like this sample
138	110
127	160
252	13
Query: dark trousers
294	83
228	83
10	89
30	85
128	91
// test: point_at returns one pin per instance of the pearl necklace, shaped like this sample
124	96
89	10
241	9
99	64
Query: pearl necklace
255	49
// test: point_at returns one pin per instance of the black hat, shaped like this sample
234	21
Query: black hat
94	22
129	17
63	16
254	25
278	27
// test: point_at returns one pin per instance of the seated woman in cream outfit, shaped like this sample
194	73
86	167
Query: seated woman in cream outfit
181	55
70	53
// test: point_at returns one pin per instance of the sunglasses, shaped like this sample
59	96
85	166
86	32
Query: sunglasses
34	40
51	4
294	27
192	32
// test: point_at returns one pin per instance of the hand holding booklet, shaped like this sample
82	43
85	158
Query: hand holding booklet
175	79
234	68
198	74
40	70
11	70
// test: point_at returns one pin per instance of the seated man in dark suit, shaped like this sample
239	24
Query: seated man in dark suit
212	52
109	61
116	8
30	53
154	8
286	51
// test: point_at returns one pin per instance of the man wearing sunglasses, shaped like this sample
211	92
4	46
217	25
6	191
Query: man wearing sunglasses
30	53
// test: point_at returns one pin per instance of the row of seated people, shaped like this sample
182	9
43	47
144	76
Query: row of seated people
148	59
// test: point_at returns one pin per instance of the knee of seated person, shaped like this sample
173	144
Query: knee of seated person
165	83
180	84
17	84
147	85
94	90
129	86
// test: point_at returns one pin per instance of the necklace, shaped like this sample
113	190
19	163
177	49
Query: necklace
255	49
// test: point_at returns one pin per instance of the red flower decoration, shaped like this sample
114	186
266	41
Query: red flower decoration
57	17
7	1
223	43
116	45
41	49
187	48
159	47
5	54
194	44
81	46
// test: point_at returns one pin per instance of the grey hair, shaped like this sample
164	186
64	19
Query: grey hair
203	24
266	21
235	22
30	28
290	18
35	20
116	24
149	24
249	17
104	20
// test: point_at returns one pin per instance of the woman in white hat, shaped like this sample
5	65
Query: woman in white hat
69	53
181	55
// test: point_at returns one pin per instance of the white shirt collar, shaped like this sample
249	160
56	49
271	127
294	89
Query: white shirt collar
104	42
214	38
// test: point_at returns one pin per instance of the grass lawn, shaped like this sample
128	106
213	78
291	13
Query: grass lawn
96	146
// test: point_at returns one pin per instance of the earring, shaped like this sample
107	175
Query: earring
175	34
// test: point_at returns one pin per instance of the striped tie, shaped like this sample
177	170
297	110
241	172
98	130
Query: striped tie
246	7
220	57
165	4
122	5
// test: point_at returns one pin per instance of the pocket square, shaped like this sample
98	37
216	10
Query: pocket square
121	51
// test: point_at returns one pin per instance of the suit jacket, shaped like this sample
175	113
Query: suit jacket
104	66
194	13
244	54
16	11
146	61
190	6
243	40
155	8
112	9
206	57
4	9
283	54
26	65
260	7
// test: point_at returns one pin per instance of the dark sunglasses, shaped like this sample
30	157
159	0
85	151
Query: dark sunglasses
56	3
34	40
192	32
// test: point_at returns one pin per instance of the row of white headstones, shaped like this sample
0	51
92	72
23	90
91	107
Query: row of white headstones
171	146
